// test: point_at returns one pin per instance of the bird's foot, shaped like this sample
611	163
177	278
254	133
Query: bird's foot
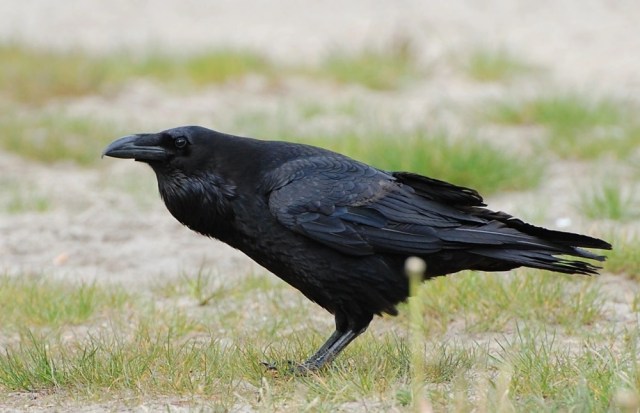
275	366
290	368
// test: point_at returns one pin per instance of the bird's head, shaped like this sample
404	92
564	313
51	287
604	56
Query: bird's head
183	148
187	163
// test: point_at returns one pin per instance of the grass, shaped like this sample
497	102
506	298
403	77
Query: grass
491	302
578	127
112	362
204	286
384	69
495	65
530	371
562	113
37	301
551	377
55	137
624	258
213	67
203	355
34	76
21	197
608	201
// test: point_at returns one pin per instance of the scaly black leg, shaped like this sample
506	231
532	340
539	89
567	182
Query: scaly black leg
329	350
346	331
319	358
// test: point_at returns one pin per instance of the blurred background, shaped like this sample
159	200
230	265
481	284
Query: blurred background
535	104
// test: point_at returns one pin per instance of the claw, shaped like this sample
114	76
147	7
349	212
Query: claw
290	368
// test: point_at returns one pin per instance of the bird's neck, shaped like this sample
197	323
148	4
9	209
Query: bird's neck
202	203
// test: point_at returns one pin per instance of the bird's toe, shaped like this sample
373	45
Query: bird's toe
289	367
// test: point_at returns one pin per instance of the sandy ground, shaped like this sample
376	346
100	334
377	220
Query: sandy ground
96	230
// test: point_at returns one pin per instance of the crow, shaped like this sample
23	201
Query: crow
337	229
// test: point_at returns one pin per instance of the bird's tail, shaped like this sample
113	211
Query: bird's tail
515	243
543	259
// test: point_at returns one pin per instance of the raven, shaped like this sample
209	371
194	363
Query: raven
337	229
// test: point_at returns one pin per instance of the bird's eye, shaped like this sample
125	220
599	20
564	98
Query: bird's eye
180	142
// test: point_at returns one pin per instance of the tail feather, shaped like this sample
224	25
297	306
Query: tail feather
503	242
557	237
541	259
542	248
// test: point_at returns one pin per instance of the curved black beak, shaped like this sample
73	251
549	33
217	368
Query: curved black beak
143	147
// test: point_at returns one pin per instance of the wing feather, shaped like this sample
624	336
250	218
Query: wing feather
354	208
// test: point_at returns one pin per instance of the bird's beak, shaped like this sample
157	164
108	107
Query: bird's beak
142	147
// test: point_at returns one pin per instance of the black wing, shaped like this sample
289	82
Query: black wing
442	191
360	210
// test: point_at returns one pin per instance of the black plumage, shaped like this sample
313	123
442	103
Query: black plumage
337	229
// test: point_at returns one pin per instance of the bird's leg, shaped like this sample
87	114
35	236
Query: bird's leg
347	329
320	354
336	343
329	350
327	344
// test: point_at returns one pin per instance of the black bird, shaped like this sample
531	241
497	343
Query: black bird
337	229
